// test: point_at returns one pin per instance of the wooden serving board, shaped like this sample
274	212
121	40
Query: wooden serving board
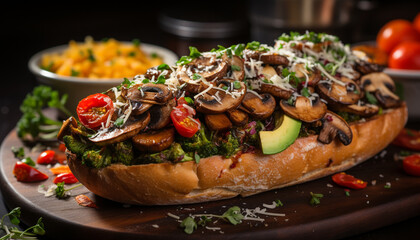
337	216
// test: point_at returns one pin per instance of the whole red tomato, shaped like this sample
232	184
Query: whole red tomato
416	22
411	165
93	111
395	32
405	55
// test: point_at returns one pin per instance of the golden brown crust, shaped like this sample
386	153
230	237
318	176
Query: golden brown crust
217	178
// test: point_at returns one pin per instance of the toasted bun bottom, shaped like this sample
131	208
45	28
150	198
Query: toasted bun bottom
216	178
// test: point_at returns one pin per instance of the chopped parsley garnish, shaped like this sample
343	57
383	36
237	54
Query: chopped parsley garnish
74	73
279	203
255	46
127	83
235	68
91	57
132	54
236	85
163	66
189	100
305	92
146	80
370	98
316	198
119	122
194	53
154	55
196	76
161	80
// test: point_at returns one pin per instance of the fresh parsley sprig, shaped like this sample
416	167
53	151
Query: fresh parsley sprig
61	192
15	233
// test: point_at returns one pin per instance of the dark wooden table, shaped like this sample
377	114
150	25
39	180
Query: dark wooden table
31	27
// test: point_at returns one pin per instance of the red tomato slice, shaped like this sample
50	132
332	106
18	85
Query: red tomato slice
25	173
93	111
183	122
411	165
67	178
46	157
349	181
408	138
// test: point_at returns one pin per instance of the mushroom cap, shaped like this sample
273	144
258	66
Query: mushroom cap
209	67
259	106
383	86
335	93
274	59
333	126
238	117
217	122
154	141
364	110
149	93
305	109
113	134
219	101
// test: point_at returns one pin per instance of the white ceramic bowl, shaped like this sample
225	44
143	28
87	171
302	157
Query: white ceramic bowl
410	82
78	88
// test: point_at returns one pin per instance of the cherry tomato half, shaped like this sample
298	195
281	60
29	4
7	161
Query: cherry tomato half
25	173
183	122
411	165
405	55
46	157
346	180
93	111
67	178
408	138
395	32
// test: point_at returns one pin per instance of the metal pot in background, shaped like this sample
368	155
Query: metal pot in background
219	23
270	18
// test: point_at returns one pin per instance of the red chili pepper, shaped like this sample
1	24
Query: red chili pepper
25	173
411	165
408	138
349	181
46	157
67	178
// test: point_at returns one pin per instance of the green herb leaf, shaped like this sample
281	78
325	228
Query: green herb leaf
145	80
233	215
18	152
74	73
161	80
39	227
316	198
197	157
119	122
196	76
370	98
60	191
189	100
29	161
189	225
305	92
279	203
236	85
14	216
235	68
163	66
91	57
203	221
194	53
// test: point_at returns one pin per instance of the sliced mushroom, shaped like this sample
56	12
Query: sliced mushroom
274	59
132	127
149	93
220	101
209	68
364	110
333	126
238	117
269	72
139	108
383	87
305	109
66	127
154	141
344	92
301	72
217	122
189	85
266	57
160	115
259	106
237	66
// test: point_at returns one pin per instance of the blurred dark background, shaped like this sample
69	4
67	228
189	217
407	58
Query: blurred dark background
27	28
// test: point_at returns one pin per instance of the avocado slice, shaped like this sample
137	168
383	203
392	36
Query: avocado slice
282	137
